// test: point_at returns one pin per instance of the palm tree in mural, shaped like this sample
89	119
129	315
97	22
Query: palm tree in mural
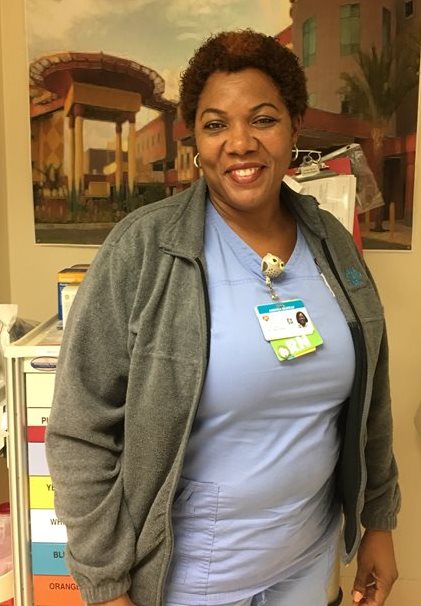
375	92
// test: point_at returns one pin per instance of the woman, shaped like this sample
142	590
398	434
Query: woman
191	465
301	318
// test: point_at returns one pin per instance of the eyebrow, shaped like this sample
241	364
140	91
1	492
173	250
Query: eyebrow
220	112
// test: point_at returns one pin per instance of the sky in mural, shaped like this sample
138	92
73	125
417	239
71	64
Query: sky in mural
137	28
161	34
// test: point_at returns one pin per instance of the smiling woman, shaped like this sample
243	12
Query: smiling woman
196	460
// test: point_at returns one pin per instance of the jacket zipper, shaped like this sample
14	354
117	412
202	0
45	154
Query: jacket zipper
358	338
199	264
207	308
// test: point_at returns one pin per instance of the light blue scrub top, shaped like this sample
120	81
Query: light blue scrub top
256	498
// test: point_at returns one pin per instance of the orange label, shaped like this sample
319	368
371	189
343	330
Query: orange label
53	590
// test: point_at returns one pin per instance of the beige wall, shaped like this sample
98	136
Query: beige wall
4	239
398	276
32	284
4	256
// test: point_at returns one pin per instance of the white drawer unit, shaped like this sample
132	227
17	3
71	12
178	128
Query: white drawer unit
39	538
39	389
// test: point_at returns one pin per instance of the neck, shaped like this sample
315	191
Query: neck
271	229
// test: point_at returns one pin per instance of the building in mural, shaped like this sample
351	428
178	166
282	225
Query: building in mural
69	89
328	37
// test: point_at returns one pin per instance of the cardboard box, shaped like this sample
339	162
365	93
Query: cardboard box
69	275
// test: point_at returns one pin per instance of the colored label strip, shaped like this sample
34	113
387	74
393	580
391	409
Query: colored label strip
46	527
37	459
35	434
41	492
55	590
48	559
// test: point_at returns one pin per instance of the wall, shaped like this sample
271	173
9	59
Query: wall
4	239
4	256
399	279
33	268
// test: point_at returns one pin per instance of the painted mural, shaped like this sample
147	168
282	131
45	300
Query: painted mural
106	131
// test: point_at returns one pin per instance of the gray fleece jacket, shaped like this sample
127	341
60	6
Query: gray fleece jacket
129	380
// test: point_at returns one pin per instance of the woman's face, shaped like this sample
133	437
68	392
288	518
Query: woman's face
301	318
244	135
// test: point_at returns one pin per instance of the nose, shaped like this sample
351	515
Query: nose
240	140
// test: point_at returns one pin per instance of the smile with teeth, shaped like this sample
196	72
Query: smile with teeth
245	175
246	172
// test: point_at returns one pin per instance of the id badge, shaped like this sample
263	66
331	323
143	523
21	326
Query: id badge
288	327
284	319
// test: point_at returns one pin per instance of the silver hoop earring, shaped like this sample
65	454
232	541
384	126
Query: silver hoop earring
295	152
196	160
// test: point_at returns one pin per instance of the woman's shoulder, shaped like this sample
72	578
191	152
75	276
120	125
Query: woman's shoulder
155	219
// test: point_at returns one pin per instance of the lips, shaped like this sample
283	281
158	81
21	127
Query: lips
245	173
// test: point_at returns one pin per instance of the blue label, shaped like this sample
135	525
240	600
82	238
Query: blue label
48	559
284	305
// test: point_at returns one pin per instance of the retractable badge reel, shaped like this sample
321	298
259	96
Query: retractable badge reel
272	267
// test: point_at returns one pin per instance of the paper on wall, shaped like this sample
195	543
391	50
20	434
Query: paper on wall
335	194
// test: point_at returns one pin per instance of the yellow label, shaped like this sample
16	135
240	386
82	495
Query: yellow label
41	492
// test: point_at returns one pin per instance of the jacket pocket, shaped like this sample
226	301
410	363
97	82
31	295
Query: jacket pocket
194	516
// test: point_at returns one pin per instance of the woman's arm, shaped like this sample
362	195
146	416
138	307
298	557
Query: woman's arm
376	570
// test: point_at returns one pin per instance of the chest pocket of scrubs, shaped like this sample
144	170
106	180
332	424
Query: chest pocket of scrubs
194	517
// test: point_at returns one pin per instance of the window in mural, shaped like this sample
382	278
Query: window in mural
350	29
309	42
387	28
409	8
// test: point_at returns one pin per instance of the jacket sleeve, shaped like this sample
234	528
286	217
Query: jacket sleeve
86	426
382	494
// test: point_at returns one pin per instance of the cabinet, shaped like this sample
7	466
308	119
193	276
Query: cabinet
39	538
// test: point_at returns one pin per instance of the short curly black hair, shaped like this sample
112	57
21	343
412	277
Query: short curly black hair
237	50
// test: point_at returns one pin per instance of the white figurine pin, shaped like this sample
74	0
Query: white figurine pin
272	267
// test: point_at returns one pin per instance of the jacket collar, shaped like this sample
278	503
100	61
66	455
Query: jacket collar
185	232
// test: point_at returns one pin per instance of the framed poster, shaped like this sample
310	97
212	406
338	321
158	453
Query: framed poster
107	135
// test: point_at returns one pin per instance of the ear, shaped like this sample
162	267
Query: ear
296	127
